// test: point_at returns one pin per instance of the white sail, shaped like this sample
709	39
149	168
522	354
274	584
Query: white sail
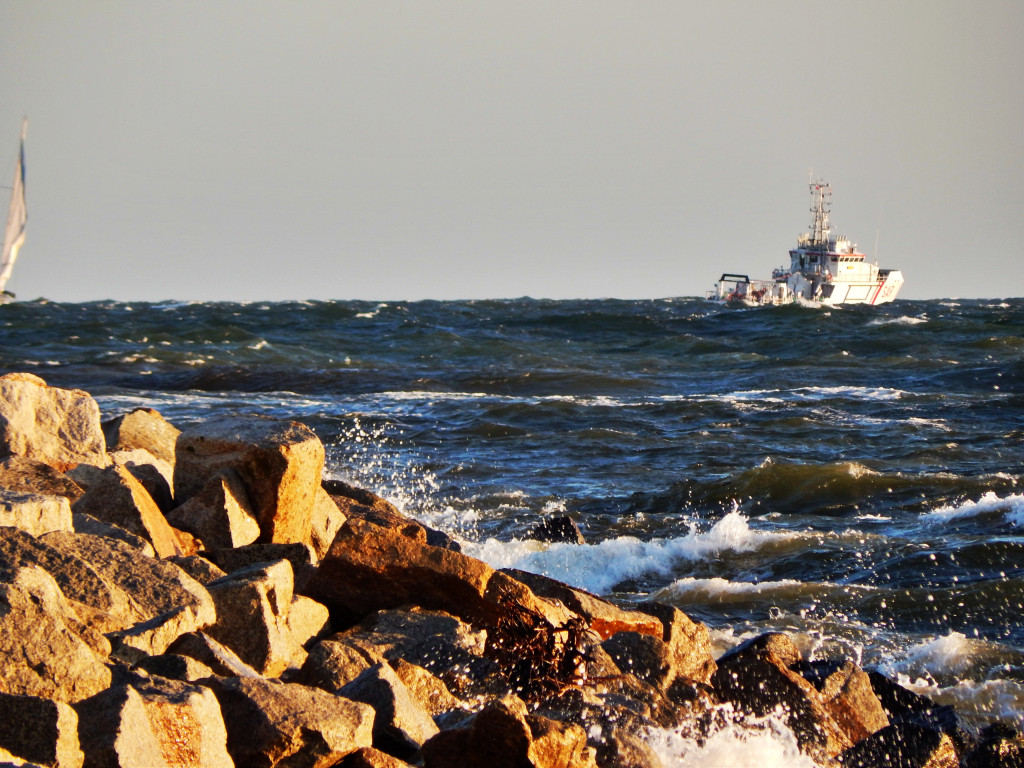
17	216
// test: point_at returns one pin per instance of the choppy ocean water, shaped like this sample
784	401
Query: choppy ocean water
851	476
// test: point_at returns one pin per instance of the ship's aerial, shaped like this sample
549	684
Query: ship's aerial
822	269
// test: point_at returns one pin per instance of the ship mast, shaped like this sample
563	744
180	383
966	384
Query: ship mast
821	205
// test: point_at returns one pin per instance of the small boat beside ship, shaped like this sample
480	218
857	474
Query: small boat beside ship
822	269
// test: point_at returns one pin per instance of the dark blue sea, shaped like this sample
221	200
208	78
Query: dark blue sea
852	476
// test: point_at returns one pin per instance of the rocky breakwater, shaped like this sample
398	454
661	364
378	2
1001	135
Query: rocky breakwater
206	598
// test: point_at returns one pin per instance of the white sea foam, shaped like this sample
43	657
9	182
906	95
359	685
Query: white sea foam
903	320
761	743
951	654
1012	506
599	567
372	314
719	590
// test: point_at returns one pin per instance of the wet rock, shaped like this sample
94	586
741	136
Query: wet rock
847	692
904	706
157	723
279	463
366	505
603	617
434	640
903	745
59	427
401	725
24	475
142	428
118	498
40	731
218	514
558	528
645	656
270	723
504	735
370	568
252	616
47	652
427	689
757	678
689	642
34	513
999	746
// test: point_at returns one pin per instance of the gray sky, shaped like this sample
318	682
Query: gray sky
457	149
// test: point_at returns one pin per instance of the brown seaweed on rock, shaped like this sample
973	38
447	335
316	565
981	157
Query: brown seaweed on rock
540	660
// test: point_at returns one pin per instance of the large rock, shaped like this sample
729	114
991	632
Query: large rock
368	757
142	428
426	688
999	746
270	723
252	616
155	723
154	586
333	664
440	643
308	620
40	731
689	642
604	618
504	735
327	518
156	475
34	513
42	643
365	505
208	652
59	427
118	497
97	601
847	692
645	656
219	514
279	463
153	637
370	568
89	524
18	473
903	745
401	725
758	678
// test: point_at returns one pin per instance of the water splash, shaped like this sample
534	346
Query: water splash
736	742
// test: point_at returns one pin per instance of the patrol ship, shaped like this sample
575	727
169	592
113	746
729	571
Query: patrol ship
822	269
